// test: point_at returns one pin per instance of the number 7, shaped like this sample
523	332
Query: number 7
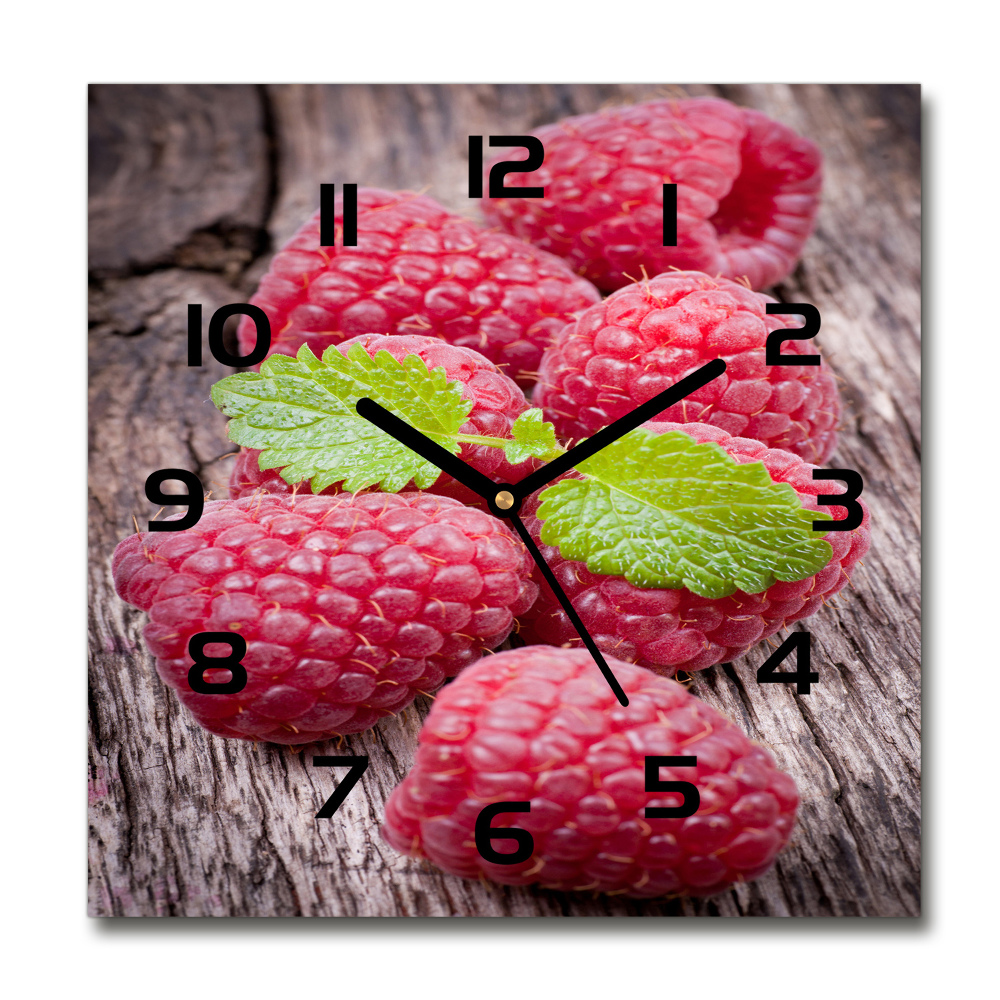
357	765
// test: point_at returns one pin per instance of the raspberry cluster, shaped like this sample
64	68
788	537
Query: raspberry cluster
418	269
541	726
747	192
349	605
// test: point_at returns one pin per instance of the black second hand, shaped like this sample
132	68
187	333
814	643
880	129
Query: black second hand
553	583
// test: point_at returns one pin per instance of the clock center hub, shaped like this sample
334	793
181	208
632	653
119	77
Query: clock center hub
504	500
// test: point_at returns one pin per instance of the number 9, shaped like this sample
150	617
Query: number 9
194	499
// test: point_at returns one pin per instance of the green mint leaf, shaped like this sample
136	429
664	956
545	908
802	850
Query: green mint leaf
533	437
665	511
300	412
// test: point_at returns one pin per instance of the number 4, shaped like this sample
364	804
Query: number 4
800	642
357	765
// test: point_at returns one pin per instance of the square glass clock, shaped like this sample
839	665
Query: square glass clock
505	500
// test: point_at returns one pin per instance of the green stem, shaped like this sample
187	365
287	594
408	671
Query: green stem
495	442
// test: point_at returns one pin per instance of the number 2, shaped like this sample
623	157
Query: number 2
772	346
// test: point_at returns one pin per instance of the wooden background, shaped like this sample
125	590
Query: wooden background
191	190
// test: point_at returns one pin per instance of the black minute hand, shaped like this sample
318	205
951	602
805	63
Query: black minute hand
646	411
581	629
426	448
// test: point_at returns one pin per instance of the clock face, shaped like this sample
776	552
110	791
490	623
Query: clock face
433	493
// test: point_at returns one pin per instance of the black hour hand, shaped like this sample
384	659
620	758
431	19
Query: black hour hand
426	448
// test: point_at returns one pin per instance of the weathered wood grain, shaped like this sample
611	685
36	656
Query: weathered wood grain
192	189
174	170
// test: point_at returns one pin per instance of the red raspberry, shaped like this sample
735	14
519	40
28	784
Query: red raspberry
248	479
418	269
747	192
541	725
497	402
349	605
671	630
642	339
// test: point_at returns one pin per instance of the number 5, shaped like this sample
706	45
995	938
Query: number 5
692	797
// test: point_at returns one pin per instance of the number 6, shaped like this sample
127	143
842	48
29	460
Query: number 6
485	834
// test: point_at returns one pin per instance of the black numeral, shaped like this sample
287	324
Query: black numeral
801	644
536	157
237	650
215	328
772	347
357	765
486	834
692	797
670	215
194	499
475	166
849	499
327	215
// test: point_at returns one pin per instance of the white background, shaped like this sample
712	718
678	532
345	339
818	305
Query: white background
51	54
